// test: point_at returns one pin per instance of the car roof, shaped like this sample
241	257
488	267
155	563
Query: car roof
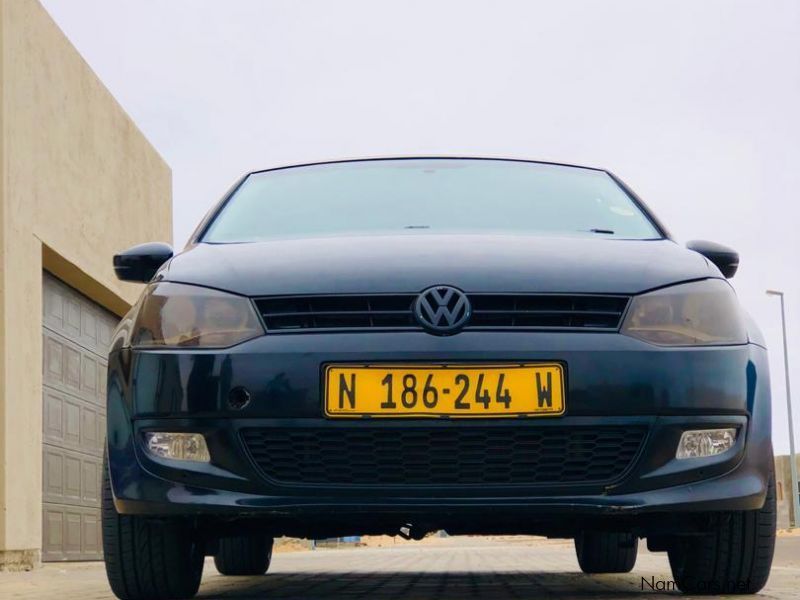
427	157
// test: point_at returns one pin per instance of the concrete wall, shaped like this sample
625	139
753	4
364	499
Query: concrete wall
78	181
783	487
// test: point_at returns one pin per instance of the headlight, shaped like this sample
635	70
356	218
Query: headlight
701	313
186	316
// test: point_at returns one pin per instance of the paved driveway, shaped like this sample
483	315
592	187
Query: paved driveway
450	569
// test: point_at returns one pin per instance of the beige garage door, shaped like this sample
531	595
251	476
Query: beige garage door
76	334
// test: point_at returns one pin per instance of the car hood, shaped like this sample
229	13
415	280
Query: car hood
410	263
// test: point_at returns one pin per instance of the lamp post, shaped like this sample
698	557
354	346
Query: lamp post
792	462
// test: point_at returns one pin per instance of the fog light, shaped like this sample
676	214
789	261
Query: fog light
178	446
705	442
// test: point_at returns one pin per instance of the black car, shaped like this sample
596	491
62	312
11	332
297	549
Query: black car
400	346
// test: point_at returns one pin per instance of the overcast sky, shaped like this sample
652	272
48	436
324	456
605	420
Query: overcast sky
695	104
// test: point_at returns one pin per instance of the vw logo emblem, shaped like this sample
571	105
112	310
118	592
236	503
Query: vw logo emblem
442	309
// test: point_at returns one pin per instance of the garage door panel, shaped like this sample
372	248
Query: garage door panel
53	316
102	386
53	533
72	369
72	480
90	483
90	534
89	376
88	328
105	329
53	474
73	424
53	360
76	335
92	421
71	477
72	322
53	417
77	318
71	533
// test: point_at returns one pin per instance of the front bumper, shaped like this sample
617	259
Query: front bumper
612	380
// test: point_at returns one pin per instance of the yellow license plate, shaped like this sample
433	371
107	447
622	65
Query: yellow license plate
533	390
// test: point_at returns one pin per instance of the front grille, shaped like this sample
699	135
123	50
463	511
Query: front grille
547	311
443	456
489	311
336	312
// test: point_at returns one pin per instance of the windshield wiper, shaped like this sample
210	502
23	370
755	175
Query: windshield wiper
606	231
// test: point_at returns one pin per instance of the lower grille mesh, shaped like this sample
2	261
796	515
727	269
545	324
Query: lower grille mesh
443	456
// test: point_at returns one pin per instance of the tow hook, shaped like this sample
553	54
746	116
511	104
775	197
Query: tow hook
410	532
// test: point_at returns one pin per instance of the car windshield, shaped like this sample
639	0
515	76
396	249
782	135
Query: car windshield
417	196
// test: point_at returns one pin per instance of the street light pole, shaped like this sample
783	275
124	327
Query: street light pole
792	460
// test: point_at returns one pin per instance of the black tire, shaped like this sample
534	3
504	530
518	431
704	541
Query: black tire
148	560
244	555
604	552
734	559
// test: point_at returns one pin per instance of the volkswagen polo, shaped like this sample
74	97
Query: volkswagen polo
400	346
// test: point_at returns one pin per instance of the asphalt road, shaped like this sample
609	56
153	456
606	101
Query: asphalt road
448	569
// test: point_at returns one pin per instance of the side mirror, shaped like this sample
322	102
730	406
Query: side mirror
141	262
726	259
